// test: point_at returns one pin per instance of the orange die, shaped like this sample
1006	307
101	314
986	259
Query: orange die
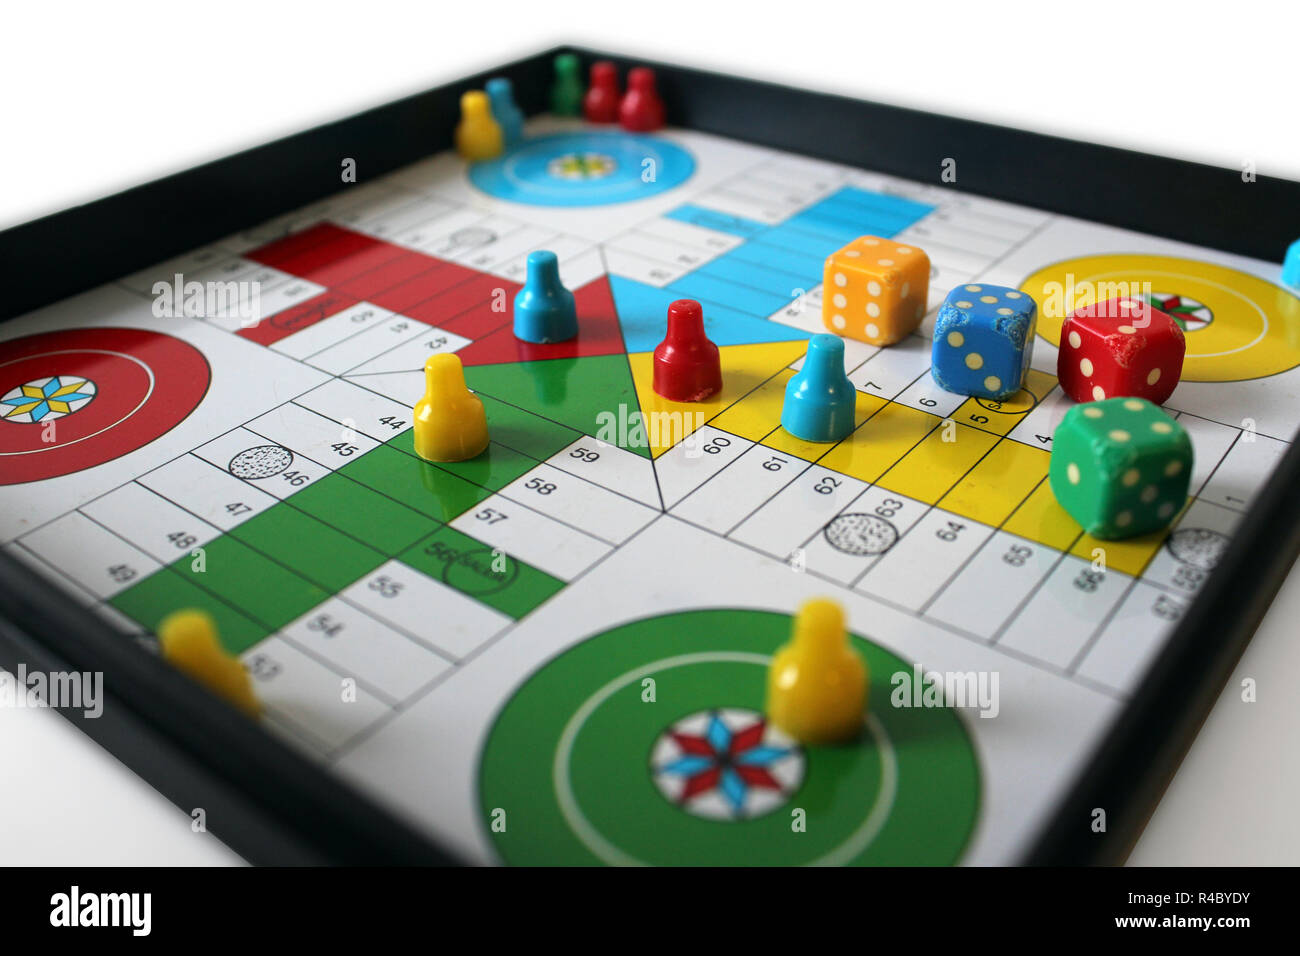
874	290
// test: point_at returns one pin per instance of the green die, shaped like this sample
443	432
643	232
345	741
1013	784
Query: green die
1120	467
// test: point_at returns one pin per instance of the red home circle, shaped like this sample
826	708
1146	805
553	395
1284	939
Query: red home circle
77	398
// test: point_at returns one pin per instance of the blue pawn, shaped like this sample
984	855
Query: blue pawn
544	309
820	400
508	116
1291	266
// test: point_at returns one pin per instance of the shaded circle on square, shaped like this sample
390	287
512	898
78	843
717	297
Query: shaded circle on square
261	461
860	534
471	236
1200	548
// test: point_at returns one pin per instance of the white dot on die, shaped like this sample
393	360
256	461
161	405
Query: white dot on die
841	279
1128	330
1119	435
873	331
1131	477
1098	393
1161	428
871	242
973	288
838	321
993	383
963	304
1124	519
852	253
1166	509
839	300
1075	340
1133	405
956	339
974	360
1013	295
885	262
1085	366
903	251
1153	376
1092	412
1072	473
1149	494
873	309
873	287
1173	468
1004	311
907	287
988	299
1128	304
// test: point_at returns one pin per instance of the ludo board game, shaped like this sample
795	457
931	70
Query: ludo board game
556	651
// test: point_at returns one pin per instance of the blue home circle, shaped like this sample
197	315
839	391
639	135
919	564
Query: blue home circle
584	169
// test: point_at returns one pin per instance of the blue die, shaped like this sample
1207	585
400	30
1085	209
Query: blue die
984	340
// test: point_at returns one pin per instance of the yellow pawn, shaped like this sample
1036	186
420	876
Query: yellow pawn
189	642
817	684
478	134
450	423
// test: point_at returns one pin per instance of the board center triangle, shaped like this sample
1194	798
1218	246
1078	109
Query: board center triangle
592	394
745	369
642	308
598	334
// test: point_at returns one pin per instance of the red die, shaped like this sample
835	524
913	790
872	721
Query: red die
1119	348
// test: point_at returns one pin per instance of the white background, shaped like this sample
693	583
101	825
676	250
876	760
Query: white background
99	97
105	95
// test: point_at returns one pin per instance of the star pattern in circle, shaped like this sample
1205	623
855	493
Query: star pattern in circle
46	399
581	166
1190	315
726	764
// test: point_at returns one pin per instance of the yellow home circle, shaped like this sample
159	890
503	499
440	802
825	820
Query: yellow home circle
1255	331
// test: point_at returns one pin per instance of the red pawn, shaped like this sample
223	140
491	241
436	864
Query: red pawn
600	105
641	110
687	366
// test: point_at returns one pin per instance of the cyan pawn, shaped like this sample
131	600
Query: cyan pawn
508	116
1291	266
544	309
820	400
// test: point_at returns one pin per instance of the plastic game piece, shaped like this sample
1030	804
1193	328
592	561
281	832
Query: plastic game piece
566	91
983	340
875	290
600	105
189	643
544	308
1120	467
820	400
641	109
1117	348
478	134
1291	265
817	684
450	422
509	117
688	367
